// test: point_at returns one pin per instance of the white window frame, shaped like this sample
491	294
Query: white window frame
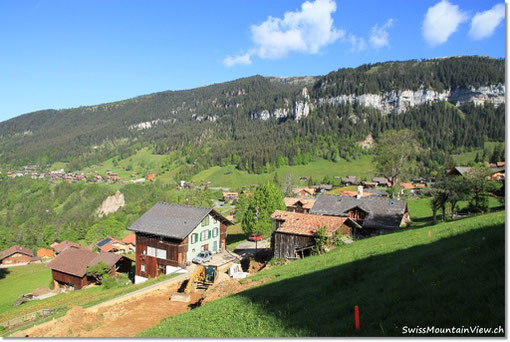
205	221
206	232
151	251
160	253
142	268
215	232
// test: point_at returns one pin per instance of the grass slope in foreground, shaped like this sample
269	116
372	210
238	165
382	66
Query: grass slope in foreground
453	278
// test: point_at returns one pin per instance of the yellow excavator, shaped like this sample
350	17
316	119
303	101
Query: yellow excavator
204	275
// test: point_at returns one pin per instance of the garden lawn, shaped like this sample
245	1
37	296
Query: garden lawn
453	277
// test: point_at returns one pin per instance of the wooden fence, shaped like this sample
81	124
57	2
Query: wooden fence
27	318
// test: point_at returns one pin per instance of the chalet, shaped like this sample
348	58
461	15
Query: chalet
59	247
113	245
130	239
350	180
171	235
304	192
45	253
298	205
69	268
458	170
376	215
230	196
16	255
295	232
319	189
381	181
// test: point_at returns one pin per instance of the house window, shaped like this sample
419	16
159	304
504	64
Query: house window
215	246
194	237
151	251
161	253
204	235
205	221
215	232
215	220
142	268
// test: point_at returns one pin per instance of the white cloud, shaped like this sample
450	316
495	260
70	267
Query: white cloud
306	30
241	59
441	21
483	24
379	35
358	43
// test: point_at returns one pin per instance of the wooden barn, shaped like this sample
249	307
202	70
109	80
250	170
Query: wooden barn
69	268
295	232
171	235
298	205
16	255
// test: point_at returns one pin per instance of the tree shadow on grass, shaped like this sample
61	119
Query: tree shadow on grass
234	238
4	272
456	281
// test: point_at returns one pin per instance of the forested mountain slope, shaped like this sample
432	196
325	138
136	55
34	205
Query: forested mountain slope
259	122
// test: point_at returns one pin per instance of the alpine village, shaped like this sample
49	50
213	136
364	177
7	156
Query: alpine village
351	204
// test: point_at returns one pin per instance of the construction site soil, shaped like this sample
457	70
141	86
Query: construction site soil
134	314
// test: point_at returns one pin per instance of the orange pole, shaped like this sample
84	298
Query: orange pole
356	317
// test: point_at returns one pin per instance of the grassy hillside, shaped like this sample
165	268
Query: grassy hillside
229	176
15	281
455	277
467	157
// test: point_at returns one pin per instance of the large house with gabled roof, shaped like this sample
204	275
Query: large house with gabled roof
171	235
375	215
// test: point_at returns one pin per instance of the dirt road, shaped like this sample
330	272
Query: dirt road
117	319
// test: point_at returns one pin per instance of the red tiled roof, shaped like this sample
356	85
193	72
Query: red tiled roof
131	238
355	193
44	252
75	261
407	185
15	249
306	224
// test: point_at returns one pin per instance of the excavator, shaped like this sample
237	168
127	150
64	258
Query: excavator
203	275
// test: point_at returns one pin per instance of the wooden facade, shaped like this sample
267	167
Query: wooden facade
175	254
16	258
285	245
223	236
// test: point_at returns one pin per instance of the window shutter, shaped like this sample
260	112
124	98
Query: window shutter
209	232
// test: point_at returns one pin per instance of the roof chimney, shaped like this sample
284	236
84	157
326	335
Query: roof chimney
360	191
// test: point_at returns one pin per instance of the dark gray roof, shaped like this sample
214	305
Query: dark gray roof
383	180
172	220
378	192
382	212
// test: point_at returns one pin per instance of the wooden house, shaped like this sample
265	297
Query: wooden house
45	253
230	196
295	232
171	235
16	255
59	247
130	239
304	192
376	215
69	268
298	205
113	245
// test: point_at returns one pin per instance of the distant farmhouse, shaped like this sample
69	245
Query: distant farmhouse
16	255
171	235
376	215
298	205
69	268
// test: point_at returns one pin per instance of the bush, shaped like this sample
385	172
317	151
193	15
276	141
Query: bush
109	282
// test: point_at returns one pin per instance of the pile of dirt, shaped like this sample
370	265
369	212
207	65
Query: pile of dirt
125	318
255	266
229	287
41	291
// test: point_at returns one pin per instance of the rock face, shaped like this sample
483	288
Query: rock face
368	142
266	115
400	101
111	204
302	108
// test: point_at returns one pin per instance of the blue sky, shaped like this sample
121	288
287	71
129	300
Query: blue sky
62	54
